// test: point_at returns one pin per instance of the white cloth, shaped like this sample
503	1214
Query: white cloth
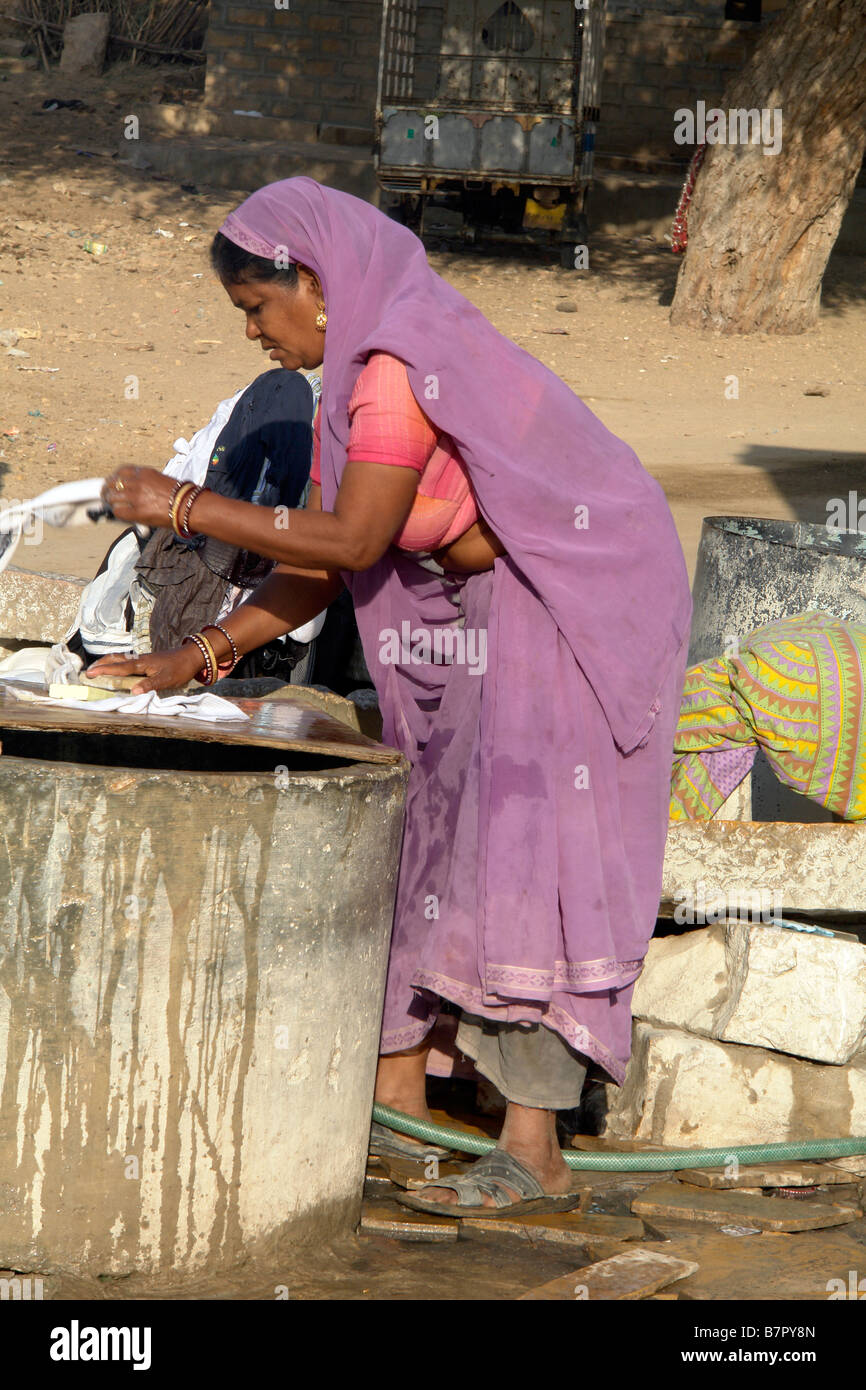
64	505
42	666
210	709
101	617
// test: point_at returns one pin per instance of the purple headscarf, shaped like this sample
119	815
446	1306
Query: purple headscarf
586	525
536	811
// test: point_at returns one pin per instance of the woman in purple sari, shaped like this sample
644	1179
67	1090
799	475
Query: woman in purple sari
528	663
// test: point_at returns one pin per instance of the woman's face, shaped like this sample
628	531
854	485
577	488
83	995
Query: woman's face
283	320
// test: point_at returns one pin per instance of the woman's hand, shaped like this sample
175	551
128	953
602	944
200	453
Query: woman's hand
139	495
158	670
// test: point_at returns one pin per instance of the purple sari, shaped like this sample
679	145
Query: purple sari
537	804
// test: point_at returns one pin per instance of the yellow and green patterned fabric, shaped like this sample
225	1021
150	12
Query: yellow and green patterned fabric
796	689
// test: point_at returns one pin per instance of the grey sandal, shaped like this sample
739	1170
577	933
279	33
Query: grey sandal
387	1141
491	1176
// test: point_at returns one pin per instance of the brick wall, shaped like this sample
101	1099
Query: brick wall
655	63
317	61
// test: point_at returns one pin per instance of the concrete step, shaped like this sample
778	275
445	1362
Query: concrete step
244	165
167	118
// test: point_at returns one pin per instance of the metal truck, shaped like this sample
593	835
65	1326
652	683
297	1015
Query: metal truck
486	115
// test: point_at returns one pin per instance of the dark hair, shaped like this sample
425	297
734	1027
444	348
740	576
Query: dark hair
235	265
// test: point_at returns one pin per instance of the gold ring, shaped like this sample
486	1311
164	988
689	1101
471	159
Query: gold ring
119	485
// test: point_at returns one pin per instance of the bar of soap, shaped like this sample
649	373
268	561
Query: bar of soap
123	683
79	692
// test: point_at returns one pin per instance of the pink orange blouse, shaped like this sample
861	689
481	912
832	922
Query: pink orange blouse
386	425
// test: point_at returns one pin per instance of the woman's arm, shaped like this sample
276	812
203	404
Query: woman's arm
371	506
287	599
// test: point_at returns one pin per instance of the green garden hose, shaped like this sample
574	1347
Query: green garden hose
646	1161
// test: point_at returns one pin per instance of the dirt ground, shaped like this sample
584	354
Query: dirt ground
148	308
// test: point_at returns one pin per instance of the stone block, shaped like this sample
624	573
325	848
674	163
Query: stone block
765	986
85	38
794	993
684	1091
684	980
731	861
37	607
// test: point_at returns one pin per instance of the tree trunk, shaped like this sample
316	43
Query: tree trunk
762	226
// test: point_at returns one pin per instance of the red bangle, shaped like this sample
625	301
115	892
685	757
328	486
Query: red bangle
229	666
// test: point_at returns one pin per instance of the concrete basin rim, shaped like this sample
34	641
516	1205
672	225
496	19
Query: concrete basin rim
350	777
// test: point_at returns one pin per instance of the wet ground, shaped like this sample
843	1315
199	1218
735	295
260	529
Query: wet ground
510	1258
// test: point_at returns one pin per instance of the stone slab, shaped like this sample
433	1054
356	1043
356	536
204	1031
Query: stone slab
684	980
559	1228
684	1091
830	860
794	992
853	1163
633	1275
387	1219
408	1173
597	1143
731	1208
376	1183
37	607
766	1175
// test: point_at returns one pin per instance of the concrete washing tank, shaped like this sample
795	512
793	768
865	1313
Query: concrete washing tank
753	570
193	944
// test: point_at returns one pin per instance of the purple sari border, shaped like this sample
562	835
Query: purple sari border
472	1000
564	975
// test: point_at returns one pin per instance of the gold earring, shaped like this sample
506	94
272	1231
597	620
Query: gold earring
321	320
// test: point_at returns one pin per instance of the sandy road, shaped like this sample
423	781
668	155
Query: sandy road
145	342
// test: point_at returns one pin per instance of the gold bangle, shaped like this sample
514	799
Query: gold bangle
211	656
178	496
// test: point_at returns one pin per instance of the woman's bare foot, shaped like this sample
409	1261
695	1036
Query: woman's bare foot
530	1136
401	1084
